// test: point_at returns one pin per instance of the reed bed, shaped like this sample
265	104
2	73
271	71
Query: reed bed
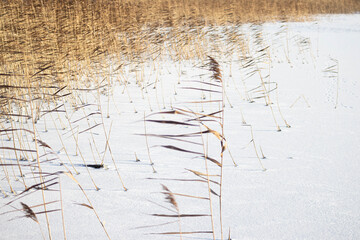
63	31
45	45
60	59
46	36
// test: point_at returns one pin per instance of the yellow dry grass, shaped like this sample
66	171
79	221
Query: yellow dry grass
47	44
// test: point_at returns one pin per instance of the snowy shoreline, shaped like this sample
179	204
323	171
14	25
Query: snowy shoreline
310	189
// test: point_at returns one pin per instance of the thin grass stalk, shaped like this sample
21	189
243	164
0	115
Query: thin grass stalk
147	145
39	168
222	155
215	68
7	176
278	105
16	155
91	205
107	136
64	148
231	156
208	184
92	153
267	98
62	209
2	191
262	153
73	134
255	149
87	169
295	101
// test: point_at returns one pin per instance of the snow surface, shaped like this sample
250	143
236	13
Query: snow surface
310	189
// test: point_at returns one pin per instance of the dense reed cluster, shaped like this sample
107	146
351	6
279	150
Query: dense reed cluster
44	45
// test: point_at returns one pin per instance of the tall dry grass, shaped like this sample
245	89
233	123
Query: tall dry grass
49	50
46	39
46	44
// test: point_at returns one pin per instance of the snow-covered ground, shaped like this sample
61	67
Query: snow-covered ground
310	189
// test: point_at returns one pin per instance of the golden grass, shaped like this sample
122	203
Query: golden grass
49	50
45	45
49	44
44	35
